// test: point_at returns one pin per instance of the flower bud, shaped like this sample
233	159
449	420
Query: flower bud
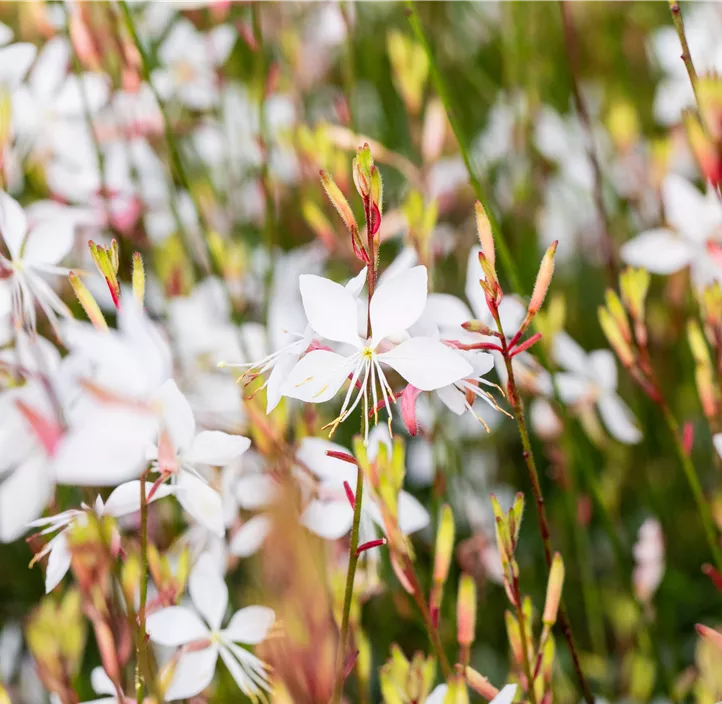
477	326
338	200
710	634
89	304
634	284
706	152
138	278
480	684
466	611
514	635
617	311
709	95
444	545
515	516
543	280
318	222
486	237
362	165
615	337
554	591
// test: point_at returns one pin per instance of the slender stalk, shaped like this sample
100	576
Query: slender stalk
208	264
572	49
348	594
519	416
142	644
686	55
694	484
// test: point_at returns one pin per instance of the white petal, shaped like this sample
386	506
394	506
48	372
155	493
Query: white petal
604	368
92	87
23	496
572	388
216	448
684	207
177	416
58	563
250	625
248	539
452	398
15	60
208	591
427	363
202	502
438	695
506	696
569	355
355	285
175	626
717	439
318	376
255	491
13	224
618	419
328	519
312	453
126	498
446	310
242	679
398	303
101	683
51	67
412	515
220	41
473	290
659	251
193	673
330	308
277	378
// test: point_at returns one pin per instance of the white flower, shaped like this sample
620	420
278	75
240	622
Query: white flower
649	559
179	626
505	696
34	250
592	379
114	421
189	61
330	514
693	238
181	451
122	501
397	304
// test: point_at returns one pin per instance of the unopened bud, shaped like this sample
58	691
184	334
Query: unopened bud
710	634
377	188
338	200
480	684
89	304
554	591
486	236
704	148
362	166
444	545
615	337
617	311
457	692
477	326
634	284
711	303
514	635
390	692
318	222
543	280
515	516
466	611
503	537
138	278
697	344
114	255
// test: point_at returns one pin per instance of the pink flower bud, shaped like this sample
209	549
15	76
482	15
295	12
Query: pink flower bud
486	237
543	280
554	591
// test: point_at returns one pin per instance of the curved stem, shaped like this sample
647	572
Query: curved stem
142	642
348	594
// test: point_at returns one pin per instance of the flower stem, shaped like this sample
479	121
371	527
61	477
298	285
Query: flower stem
686	55
524	644
518	408
142	643
348	594
694	484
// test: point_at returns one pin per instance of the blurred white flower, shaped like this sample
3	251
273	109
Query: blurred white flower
649	560
181	626
693	238
180	451
591	379
124	500
330	515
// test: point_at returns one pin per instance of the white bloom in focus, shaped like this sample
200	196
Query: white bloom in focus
181	626
34	251
180	452
592	379
693	238
330	515
122	501
397	304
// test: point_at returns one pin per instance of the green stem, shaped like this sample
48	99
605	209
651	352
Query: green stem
348	594
142	644
694	484
208	263
686	55
524	644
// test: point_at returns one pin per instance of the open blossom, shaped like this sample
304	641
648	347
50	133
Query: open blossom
180	452
180	626
397	304
693	238
330	515
592	379
34	251
122	501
